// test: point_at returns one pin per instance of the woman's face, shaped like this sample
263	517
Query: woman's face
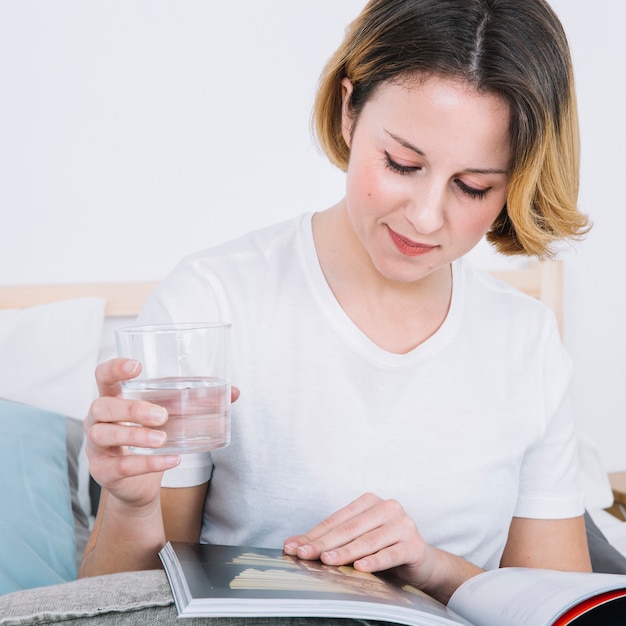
428	172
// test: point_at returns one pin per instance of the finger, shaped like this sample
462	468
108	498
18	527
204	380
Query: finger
369	540
110	373
109	470
390	544
324	536
394	556
109	409
234	394
110	460
118	437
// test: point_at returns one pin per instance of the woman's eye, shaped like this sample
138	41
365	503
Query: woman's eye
472	192
400	169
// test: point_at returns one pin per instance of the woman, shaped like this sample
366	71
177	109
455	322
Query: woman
399	410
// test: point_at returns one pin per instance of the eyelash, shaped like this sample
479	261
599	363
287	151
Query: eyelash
399	169
408	169
471	191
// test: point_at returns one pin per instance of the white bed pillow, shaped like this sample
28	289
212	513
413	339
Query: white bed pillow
48	354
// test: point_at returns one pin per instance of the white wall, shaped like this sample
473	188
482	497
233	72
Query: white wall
595	299
135	131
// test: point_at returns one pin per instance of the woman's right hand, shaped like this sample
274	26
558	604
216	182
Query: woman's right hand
134	479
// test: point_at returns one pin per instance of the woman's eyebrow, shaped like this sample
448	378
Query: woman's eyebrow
404	143
487	170
472	170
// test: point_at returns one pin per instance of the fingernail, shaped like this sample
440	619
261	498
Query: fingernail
158	415
304	551
157	437
329	555
290	547
130	367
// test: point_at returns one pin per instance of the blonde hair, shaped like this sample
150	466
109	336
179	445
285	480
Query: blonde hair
516	49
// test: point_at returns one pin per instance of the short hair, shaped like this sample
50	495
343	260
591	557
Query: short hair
516	49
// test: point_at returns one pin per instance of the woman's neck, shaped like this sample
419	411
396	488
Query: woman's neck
397	316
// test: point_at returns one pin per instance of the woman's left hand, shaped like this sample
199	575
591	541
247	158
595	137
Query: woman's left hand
375	535
371	534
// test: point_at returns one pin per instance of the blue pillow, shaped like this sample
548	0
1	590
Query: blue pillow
37	534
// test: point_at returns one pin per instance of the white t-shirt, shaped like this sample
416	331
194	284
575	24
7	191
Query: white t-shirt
467	430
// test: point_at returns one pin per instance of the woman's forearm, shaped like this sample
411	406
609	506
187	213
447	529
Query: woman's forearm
123	538
448	574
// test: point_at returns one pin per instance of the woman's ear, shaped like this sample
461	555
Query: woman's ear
347	119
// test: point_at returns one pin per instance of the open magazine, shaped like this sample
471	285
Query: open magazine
240	581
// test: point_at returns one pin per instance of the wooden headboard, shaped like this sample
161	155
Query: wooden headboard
543	281
123	299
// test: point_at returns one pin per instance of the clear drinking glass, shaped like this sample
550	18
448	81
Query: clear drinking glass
185	368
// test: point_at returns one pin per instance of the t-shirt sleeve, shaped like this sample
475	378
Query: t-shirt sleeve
190	293
550	485
193	469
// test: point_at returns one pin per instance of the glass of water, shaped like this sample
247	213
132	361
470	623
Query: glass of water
185	369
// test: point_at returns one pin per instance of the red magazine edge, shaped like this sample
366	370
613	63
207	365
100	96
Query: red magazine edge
586	605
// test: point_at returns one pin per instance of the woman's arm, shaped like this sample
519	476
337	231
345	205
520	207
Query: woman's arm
550	544
123	538
135	516
182	512
376	535
129	539
129	530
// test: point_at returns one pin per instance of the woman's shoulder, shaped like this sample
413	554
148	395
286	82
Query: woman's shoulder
495	300
254	244
242	269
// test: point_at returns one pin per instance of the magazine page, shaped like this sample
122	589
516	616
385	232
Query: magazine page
209	580
528	597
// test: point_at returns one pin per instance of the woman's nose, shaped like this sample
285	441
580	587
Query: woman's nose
426	209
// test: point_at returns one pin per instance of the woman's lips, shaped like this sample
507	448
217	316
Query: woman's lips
408	247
